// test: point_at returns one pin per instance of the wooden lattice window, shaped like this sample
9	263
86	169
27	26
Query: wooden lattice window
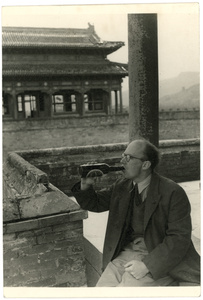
94	101
63	103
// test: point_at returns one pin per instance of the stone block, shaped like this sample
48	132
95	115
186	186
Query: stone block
22	226
68	226
40	249
68	246
42	230
24	279
25	234
51	237
63	218
52	220
48	282
24	167
52	202
9	237
41	265
73	234
72	279
59	252
26	251
23	178
10	255
10	207
26	263
9	273
17	243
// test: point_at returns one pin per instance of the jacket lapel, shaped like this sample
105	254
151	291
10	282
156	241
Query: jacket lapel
125	196
153	198
121	219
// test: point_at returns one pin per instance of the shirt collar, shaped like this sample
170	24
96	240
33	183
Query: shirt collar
143	184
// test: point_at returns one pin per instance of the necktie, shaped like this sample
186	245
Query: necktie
138	199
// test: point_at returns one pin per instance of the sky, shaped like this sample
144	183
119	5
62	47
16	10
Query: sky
178	28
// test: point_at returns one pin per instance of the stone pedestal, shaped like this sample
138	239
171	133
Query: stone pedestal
43	230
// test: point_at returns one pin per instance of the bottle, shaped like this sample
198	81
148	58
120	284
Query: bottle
97	169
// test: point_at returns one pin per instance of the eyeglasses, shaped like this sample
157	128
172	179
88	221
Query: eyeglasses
128	157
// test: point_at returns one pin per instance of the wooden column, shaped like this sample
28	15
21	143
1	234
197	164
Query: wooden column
82	102
121	100
116	102
49	94
14	104
143	77
109	103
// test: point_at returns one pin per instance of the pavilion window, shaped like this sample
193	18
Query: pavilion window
5	105
30	106
64	103
20	103
94	101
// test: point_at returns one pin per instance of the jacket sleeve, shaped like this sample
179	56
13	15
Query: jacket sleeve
168	254
92	200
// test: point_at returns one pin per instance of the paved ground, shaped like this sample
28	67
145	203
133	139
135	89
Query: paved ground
95	225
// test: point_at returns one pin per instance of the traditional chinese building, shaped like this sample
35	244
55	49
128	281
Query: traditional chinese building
49	72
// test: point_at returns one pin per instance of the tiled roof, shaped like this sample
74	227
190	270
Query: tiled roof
64	69
56	38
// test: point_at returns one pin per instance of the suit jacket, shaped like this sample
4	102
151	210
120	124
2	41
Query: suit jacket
167	226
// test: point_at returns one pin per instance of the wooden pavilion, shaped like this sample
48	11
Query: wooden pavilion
50	72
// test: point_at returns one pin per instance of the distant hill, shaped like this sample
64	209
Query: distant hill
176	84
175	88
187	98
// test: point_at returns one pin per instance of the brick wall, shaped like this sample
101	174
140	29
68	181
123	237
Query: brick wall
91	130
180	161
45	252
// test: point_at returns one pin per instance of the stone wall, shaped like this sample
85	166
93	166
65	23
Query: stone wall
91	130
180	161
45	252
179	114
42	231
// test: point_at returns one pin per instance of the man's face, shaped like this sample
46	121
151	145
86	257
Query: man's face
132	161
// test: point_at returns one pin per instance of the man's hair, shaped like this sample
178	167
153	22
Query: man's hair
152	154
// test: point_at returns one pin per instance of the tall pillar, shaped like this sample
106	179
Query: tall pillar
82	102
109	102
143	77
14	104
121	100
49	101
116	102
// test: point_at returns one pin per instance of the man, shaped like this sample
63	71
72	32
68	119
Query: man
148	235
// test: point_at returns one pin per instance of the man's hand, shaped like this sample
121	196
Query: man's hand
86	182
136	268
